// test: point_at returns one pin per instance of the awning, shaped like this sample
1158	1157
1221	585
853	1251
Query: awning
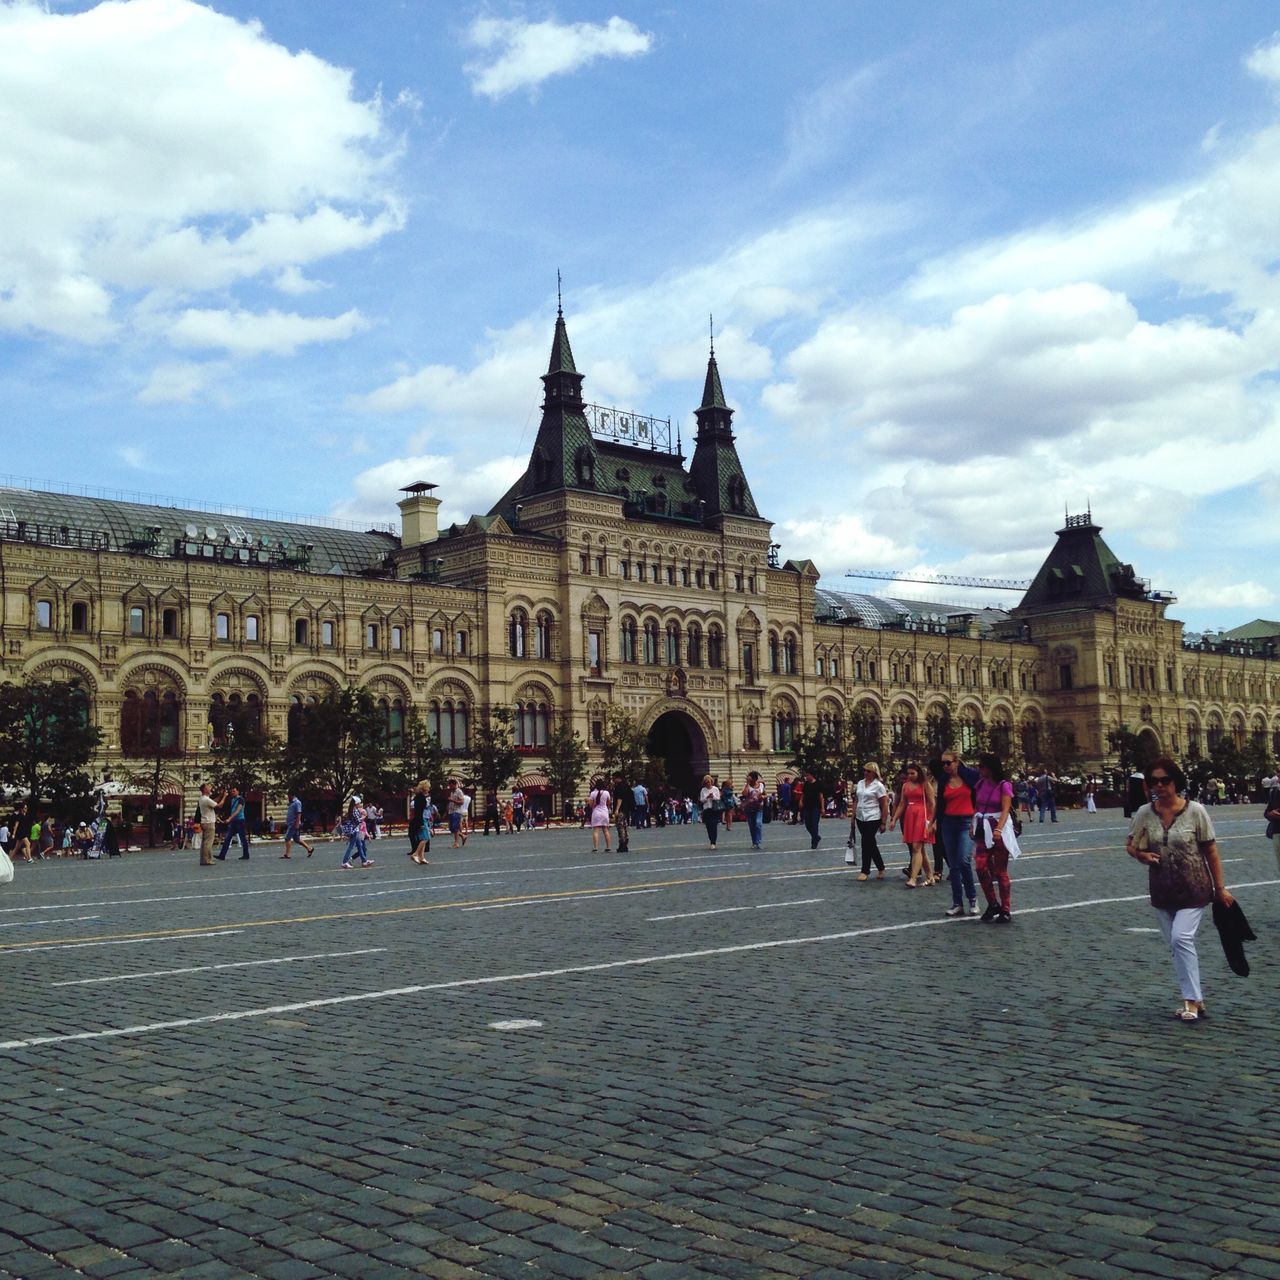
532	782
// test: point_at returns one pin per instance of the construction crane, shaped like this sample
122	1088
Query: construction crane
944	580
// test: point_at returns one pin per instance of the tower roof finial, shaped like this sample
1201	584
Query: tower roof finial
712	326
559	298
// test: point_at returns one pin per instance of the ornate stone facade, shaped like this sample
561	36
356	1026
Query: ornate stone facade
608	575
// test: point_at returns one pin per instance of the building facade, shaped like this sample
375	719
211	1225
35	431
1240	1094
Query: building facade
611	574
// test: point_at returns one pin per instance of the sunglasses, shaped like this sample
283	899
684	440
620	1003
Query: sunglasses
1159	780
950	762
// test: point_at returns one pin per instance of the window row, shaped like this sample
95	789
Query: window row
670	647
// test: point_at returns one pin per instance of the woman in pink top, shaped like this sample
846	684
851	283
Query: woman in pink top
598	803
995	840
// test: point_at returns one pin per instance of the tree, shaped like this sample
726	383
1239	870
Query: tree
819	753
244	756
566	759
422	757
338	745
497	760
1059	751
624	747
861	742
46	741
1132	750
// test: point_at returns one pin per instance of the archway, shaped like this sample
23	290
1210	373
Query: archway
1146	748
678	741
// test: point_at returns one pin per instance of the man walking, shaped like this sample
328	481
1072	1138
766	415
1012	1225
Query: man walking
293	828
207	807
811	799
1044	786
235	826
640	805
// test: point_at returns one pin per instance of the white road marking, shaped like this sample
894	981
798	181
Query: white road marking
722	911
810	875
359	997
29	924
118	942
535	901
383	893
1028	879
1145	930
206	968
515	1024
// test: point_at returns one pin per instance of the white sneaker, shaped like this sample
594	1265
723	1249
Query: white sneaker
954	911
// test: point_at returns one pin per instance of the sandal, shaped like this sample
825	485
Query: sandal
864	876
1187	1015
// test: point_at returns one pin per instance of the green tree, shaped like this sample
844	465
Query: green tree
566	759
497	760
818	752
421	757
46	742
1059	752
624	745
338	745
244	756
1132	750
862	742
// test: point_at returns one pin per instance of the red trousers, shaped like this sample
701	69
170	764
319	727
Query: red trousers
992	866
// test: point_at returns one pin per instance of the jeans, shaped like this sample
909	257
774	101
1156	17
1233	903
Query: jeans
1179	929
958	842
236	830
811	819
1049	803
641	816
712	819
755	825
867	829
356	843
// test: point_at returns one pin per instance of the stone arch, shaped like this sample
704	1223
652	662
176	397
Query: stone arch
65	669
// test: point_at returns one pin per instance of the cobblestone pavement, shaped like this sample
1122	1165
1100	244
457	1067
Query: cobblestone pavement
527	1060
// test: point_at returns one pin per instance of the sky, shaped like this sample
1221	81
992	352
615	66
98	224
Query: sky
968	266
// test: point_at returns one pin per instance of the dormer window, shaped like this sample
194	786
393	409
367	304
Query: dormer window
584	465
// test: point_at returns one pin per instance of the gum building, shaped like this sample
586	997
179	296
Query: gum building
615	572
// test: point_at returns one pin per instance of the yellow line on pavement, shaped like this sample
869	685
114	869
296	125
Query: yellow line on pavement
29	945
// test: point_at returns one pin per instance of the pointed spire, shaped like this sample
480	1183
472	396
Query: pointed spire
712	391
561	352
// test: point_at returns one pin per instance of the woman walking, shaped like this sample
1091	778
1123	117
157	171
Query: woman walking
598	804
995	838
870	817
753	802
915	811
354	828
727	803
709	799
1174	837
420	822
955	821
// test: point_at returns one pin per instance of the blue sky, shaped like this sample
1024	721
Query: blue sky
969	264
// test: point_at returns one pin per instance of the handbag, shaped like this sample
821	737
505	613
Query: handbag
6	867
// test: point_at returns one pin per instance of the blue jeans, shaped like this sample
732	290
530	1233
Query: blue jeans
755	824
811	819
354	842
957	840
236	830
1049	803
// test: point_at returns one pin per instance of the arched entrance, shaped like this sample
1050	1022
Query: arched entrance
1147	747
677	740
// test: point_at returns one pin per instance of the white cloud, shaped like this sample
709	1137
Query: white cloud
178	382
465	487
1214	593
521	55
133	457
162	148
247	333
839	543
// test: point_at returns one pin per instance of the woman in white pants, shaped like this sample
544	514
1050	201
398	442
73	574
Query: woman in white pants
1174	837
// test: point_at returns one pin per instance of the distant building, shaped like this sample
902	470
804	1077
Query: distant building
614	572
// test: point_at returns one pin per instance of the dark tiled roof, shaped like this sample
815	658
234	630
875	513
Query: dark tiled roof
893	611
114	525
1081	569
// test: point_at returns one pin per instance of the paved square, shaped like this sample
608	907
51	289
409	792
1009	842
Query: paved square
528	1060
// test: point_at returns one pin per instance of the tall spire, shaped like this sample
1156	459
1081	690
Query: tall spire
715	467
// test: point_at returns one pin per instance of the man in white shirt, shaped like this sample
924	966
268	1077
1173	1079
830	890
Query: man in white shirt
208	824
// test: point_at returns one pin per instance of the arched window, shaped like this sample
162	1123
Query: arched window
542	636
784	727
829	722
651	642
518	640
673	644
695	645
300	710
391	716
902	730
149	724
532	724
628	640
1001	738
970	733
775	659
789	656
715	646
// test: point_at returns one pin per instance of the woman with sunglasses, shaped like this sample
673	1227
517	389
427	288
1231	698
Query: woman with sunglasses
915	811
1174	837
956	810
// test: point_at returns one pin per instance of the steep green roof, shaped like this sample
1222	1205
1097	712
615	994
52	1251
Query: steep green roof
1258	629
1081	569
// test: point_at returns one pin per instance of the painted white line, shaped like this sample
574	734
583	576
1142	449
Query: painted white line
811	875
724	911
515	1024
1028	879
384	893
206	968
119	942
31	924
1145	930
389	993
551	902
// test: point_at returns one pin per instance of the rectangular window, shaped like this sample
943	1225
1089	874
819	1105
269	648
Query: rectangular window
169	623
79	616
1064	676
251	626
584	562
857	670
44	614
753	735
460	642
222	627
326	634
671	575
713	578
371	635
1111	676
137	621
821	667
301	630
597	731
1168	678
871	670
594	652
737	582
653	570
835	668
700	578
749	662
437	640
625	567
684	576
397	637
600	566
751	584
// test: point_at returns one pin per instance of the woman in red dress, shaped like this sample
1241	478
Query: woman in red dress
915	811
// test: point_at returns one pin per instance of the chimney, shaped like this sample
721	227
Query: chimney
418	515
